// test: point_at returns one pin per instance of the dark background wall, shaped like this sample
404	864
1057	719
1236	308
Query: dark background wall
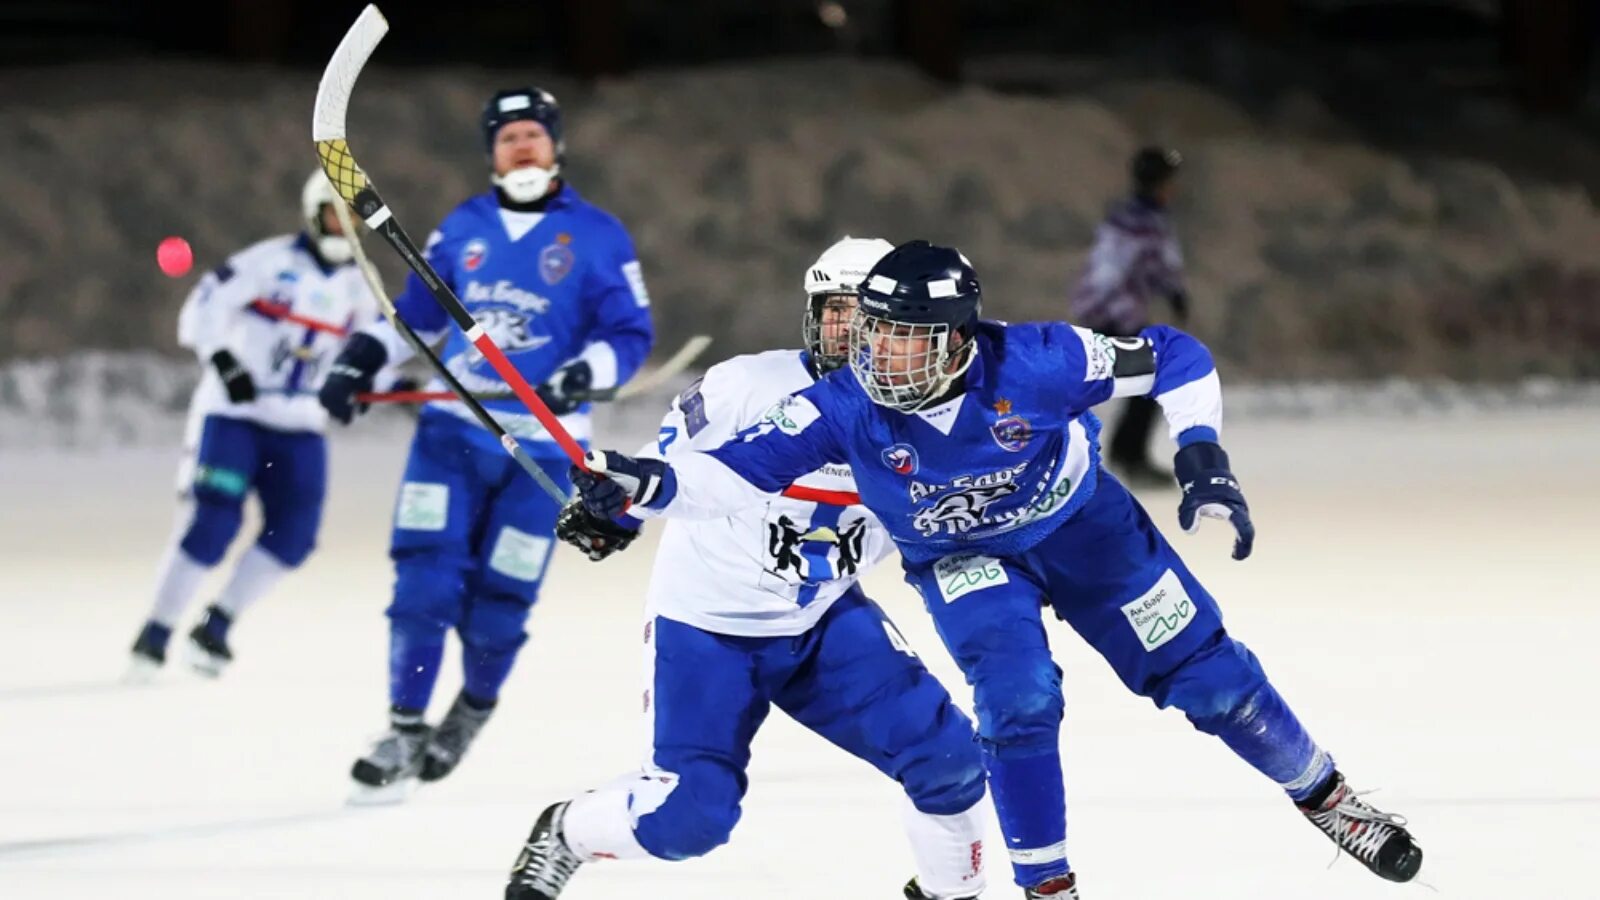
1372	188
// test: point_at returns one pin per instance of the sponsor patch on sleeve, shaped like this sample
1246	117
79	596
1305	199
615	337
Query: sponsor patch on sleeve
792	415
1100	358
692	403
630	271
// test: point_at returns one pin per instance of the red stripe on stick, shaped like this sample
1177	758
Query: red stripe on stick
528	396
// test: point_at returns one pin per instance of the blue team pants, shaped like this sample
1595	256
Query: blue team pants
288	470
851	679
1112	576
472	536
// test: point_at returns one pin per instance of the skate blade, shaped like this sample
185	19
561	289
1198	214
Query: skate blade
141	671
205	664
388	795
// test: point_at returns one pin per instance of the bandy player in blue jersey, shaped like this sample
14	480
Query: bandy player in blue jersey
764	609
972	442
555	281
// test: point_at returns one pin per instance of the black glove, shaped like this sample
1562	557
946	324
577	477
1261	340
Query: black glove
1180	305
363	355
611	482
597	538
568	388
1210	491
235	379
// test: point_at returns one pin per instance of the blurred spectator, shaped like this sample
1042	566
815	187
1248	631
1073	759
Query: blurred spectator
1135	258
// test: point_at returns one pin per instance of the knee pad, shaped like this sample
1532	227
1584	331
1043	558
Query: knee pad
1217	683
495	621
212	528
290	538
429	593
697	817
1019	704
948	777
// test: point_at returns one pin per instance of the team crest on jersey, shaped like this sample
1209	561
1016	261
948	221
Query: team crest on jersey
901	459
474	254
1011	431
556	260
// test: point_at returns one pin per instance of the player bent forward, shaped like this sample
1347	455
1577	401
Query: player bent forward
776	618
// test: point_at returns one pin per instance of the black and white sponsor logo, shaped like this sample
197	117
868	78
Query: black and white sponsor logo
961	511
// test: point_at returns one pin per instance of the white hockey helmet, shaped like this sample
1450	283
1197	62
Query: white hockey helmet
318	192
834	280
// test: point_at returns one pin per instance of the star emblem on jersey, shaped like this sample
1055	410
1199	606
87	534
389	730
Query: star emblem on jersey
901	459
474	254
1002	406
556	260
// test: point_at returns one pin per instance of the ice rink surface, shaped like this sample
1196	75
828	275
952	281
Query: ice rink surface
1424	591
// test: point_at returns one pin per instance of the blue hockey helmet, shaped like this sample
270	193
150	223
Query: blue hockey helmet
910	338
523	104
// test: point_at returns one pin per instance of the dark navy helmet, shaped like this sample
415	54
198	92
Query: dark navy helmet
919	283
1153	166
523	104
911	337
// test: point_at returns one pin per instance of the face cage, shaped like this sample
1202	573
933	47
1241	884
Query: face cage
904	381
811	329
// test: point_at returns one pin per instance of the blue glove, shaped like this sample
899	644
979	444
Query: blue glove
1210	491
612	482
363	355
568	388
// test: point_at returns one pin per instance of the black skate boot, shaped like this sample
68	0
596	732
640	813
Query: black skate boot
546	863
208	642
388	771
1064	887
452	738
149	653
914	891
1375	838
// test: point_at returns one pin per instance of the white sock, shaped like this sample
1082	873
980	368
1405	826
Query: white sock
255	574
948	849
176	582
599	824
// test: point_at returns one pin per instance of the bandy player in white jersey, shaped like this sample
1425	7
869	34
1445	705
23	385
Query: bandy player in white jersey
763	609
266	325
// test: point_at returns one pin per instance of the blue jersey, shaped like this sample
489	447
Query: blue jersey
548	287
992	471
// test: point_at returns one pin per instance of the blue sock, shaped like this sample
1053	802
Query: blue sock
413	668
1032	806
1264	732
484	671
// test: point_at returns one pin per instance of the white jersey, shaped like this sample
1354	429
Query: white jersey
771	569
284	318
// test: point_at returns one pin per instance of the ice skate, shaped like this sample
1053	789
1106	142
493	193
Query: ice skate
1064	887
546	863
149	653
388	773
1377	839
914	891
452	737
208	643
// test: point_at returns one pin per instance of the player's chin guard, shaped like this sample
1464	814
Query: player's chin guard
530	104
317	193
832	283
598	538
911	336
1211	491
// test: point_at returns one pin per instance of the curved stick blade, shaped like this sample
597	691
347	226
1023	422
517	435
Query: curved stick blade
339	78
